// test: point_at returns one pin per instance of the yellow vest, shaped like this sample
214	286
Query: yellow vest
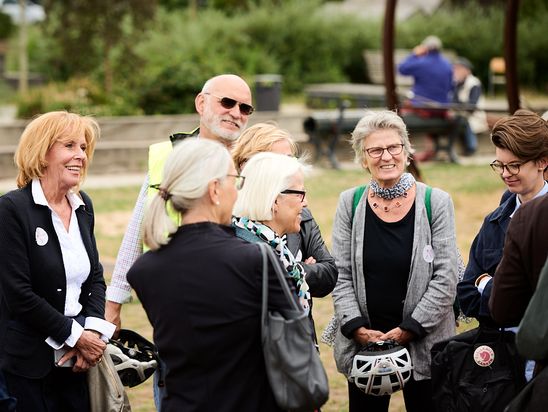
157	156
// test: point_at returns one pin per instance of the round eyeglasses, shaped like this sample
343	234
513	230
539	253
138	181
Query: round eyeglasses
301	193
512	168
393	149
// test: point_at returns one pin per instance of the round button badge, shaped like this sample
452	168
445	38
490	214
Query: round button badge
484	356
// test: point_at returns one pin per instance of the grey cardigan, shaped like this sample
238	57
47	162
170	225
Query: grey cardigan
431	286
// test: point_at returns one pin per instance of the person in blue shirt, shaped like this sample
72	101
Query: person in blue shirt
433	83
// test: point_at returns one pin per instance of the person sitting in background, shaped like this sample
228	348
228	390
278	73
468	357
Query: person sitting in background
307	245
53	288
467	90
200	287
521	149
433	81
397	270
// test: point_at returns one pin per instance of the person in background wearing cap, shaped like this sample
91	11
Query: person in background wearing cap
433	82
467	91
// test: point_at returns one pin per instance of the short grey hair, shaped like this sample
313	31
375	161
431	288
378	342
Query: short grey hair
266	176
190	167
374	121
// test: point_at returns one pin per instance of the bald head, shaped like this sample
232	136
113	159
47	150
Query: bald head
219	121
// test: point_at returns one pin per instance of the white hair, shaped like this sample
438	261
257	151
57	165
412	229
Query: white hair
266	176
188	170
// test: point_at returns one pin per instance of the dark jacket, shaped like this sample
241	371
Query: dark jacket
322	276
525	251
485	255
34	283
202	295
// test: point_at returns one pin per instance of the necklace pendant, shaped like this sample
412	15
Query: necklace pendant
375	205
386	209
398	204
405	194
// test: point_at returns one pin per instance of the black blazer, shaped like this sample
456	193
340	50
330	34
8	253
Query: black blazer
33	283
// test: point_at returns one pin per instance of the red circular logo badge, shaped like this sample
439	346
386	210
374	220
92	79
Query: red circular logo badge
484	356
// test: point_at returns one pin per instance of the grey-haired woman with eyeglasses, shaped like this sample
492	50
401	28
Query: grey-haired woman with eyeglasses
394	245
521	156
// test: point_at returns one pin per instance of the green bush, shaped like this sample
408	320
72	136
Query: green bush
6	26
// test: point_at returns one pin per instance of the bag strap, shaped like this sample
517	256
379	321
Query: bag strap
427	204
268	254
358	193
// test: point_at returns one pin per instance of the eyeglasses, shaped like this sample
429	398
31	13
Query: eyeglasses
302	193
512	168
228	103
238	181
376	152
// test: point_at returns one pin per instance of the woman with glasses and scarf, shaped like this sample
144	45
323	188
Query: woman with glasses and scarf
201	287
397	265
521	156
270	206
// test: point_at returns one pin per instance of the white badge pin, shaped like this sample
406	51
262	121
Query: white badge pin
428	254
41	236
484	356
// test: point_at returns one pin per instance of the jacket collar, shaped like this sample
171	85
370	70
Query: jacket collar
505	209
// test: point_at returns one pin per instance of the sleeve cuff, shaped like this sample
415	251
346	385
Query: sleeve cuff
411	325
75	333
482	283
349	327
106	329
118	295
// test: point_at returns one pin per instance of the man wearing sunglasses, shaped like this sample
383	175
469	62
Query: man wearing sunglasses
224	105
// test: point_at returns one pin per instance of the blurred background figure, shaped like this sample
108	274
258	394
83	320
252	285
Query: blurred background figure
397	269
213	356
467	90
52	281
432	84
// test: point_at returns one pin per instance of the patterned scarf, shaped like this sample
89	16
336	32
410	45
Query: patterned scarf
404	184
279	244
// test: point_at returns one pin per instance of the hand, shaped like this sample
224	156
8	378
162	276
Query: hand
363	336
310	260
112	315
81	365
420	50
90	346
401	336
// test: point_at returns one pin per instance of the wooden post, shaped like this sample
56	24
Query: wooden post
510	55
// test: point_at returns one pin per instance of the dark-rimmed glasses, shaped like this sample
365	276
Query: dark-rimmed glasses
239	181
228	103
393	149
512	168
301	193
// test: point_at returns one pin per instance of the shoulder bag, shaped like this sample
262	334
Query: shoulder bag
295	371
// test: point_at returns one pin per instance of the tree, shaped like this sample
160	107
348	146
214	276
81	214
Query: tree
86	32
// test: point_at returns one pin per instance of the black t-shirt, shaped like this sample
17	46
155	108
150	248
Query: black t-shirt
387	261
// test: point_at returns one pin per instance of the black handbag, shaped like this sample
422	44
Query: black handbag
295	371
476	371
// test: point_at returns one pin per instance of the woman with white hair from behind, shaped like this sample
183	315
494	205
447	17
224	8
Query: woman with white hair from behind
201	287
270	206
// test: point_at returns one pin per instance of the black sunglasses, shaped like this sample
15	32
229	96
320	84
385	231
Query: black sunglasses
302	193
228	103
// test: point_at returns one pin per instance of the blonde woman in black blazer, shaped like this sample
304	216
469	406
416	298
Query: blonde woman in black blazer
51	279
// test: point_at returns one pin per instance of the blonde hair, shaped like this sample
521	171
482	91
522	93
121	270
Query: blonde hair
40	135
188	170
266	176
259	138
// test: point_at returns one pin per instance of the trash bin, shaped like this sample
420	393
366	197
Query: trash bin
268	88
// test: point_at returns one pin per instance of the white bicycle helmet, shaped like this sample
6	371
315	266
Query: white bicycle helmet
134	357
381	368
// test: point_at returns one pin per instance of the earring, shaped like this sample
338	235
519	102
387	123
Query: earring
217	203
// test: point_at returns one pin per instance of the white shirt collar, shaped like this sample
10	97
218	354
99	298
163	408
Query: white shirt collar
541	192
40	198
